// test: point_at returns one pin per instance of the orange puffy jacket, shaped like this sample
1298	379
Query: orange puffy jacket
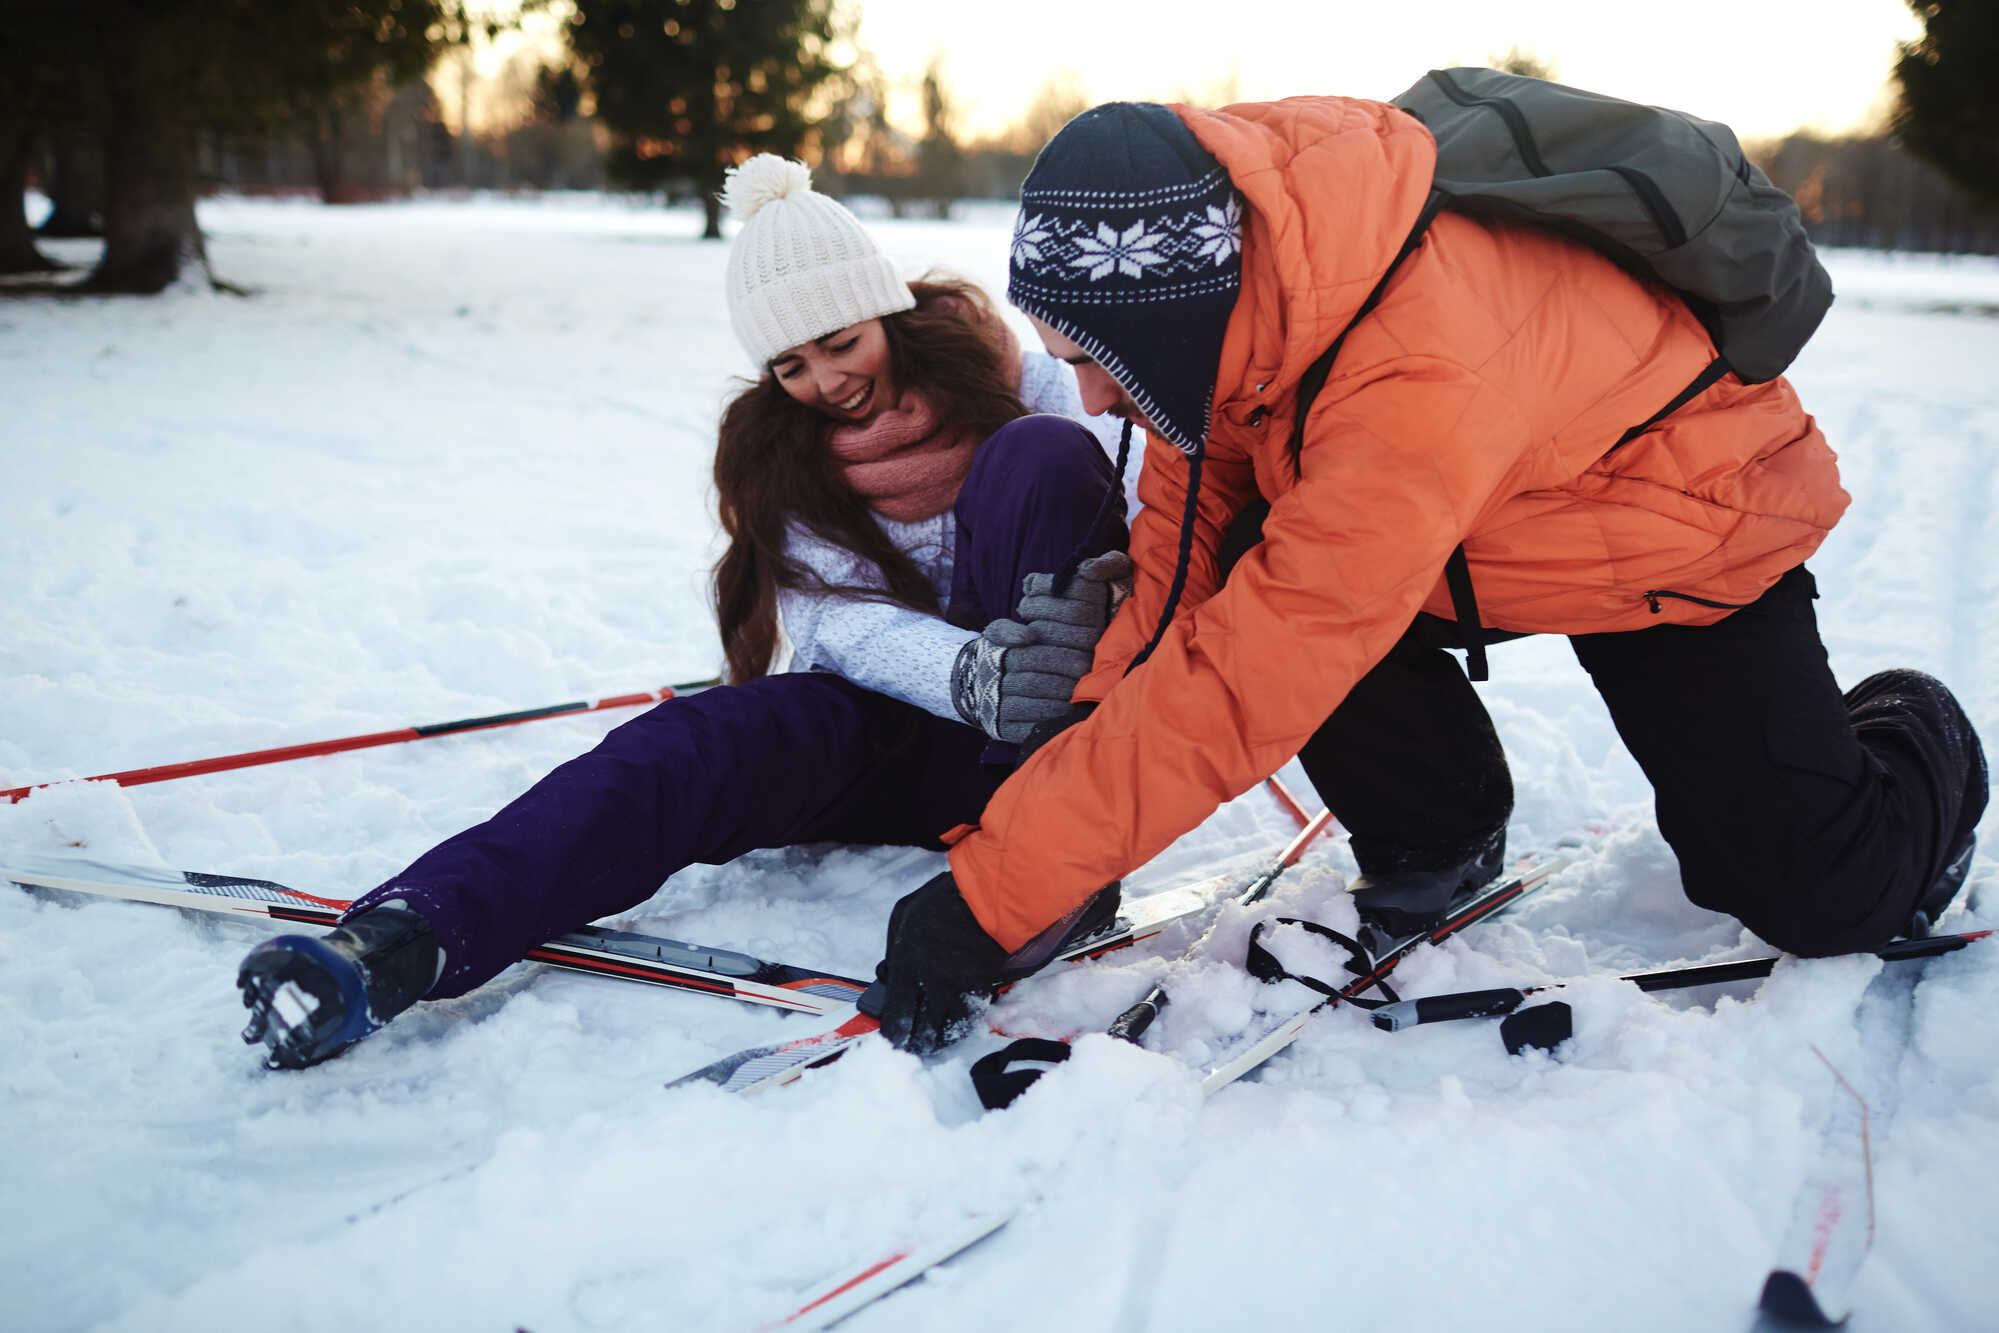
1477	403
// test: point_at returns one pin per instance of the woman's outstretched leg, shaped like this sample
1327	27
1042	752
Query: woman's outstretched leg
704	778
785	759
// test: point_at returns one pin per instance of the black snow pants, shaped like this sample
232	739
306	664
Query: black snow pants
1815	818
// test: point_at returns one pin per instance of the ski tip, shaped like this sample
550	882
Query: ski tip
1788	1297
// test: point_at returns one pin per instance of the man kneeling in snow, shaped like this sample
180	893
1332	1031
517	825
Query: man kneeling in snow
1192	265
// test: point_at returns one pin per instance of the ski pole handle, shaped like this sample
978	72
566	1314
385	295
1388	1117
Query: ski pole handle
1447	1008
1132	1023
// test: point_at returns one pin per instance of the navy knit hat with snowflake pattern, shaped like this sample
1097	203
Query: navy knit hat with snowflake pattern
1129	243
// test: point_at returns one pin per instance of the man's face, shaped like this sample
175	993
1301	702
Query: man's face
1100	392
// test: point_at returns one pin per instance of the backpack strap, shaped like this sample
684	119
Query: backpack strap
1464	602
1314	378
1699	385
1457	570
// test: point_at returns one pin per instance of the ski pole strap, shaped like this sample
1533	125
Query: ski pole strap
1263	965
997	1081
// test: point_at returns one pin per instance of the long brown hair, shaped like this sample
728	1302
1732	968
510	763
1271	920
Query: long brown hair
772	467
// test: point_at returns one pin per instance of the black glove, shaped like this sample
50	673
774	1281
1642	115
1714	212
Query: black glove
939	962
1043	732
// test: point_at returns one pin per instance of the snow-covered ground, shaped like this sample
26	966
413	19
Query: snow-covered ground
452	459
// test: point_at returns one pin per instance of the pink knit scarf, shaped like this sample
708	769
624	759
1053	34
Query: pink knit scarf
902	462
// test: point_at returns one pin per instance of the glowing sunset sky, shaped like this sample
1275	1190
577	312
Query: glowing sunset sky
1763	66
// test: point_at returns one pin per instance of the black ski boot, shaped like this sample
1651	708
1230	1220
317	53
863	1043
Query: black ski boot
1398	903
1094	913
1918	729
1936	900
1098	913
310	998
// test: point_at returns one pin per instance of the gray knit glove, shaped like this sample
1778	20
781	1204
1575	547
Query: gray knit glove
1007	679
1016	676
1077	617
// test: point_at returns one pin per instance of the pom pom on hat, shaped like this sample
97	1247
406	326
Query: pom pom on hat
763	179
802	266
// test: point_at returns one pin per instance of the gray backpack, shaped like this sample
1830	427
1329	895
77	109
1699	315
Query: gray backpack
1662	194
1658	191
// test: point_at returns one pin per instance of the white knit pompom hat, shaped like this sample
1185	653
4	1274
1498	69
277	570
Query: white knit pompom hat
802	266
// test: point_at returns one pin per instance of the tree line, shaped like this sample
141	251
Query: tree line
122	111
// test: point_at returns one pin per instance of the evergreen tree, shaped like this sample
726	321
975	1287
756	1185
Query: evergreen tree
155	74
689	88
1948	111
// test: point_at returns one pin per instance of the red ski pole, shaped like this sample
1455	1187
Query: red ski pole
1291	803
133	777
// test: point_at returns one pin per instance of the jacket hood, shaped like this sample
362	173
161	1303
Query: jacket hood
1331	187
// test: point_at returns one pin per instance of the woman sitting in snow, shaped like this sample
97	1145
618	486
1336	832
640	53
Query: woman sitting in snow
886	489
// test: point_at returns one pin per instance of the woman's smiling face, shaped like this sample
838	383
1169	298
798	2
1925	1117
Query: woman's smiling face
846	374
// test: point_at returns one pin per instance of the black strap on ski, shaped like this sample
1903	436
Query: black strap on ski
1263	965
1001	1077
999	1083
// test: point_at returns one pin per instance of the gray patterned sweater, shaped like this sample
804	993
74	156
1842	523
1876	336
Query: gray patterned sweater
891	649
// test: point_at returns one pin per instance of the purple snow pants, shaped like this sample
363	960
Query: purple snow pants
803	757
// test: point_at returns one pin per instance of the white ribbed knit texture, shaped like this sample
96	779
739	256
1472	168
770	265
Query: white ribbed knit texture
802	266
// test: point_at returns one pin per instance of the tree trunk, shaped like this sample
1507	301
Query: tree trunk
17	239
76	188
150	231
711	213
327	154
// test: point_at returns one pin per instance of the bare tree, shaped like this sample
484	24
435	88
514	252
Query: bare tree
1519	60
940	161
1870	190
1059	100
